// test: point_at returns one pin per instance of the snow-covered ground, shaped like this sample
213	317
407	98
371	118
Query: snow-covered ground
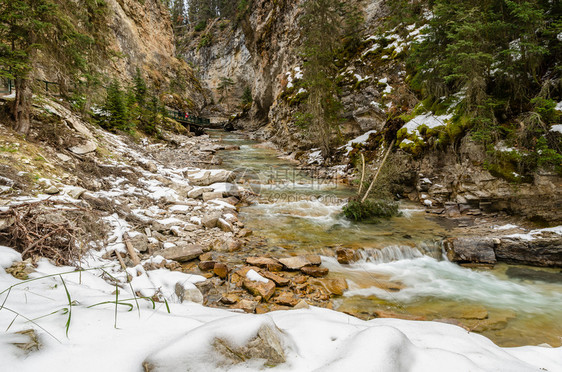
104	337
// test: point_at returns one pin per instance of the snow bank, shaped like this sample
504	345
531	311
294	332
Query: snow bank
102	337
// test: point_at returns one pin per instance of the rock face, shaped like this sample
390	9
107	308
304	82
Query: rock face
260	53
538	251
477	250
140	33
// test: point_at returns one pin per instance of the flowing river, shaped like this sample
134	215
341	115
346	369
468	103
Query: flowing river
402	271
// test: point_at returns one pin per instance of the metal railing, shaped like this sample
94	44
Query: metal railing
186	118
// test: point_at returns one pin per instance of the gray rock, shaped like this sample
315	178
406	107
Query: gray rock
206	178
140	242
473	249
6	222
224	225
541	251
196	193
212	195
63	157
86	148
267	345
210	220
182	253
76	192
51	190
188	293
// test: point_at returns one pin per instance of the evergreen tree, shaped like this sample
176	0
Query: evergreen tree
115	105
23	25
140	88
323	27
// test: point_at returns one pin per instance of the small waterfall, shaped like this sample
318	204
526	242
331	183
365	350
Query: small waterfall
390	254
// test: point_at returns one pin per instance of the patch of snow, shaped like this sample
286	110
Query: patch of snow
430	120
532	235
505	227
362	139
254	276
556	128
8	256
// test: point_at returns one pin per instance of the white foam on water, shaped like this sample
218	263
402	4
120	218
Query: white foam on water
426	277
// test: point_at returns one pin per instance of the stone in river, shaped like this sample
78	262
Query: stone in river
270	263
473	249
221	270
345	255
315	271
298	262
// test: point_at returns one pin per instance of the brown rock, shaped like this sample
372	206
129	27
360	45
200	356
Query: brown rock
315	271
230	298
206	265
300	279
245	232
335	286
286	298
270	263
298	262
302	305
388	314
207	256
247	305
265	290
278	279
345	255
221	270
210	220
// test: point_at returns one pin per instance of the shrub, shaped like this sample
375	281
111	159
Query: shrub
370	210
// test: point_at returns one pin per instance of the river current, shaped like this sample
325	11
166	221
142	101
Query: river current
402	271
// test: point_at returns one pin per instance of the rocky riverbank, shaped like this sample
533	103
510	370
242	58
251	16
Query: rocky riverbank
146	205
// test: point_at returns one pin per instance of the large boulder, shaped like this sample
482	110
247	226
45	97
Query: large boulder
473	250
539	251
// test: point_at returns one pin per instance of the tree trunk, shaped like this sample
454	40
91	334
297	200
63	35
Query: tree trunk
22	106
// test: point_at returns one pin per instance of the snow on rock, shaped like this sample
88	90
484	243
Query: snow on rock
429	120
556	128
532	235
362	139
254	276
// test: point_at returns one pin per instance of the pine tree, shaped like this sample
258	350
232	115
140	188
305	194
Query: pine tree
323	27
140	88
23	24
116	106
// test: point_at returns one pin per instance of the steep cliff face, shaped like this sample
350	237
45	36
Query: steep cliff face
262	52
124	35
